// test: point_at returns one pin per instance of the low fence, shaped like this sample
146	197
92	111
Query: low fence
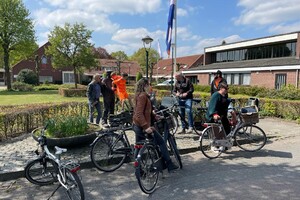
16	120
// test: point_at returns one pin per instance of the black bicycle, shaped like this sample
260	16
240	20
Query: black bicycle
48	169
149	162
111	148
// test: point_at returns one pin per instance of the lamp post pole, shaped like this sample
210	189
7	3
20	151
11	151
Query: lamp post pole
147	41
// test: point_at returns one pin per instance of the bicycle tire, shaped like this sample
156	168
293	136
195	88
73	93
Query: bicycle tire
174	150
104	152
145	173
250	138
74	186
206	144
41	171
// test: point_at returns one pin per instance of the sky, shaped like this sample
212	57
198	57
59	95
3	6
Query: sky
119	25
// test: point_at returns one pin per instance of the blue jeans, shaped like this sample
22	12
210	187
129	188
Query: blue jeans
186	106
140	135
91	112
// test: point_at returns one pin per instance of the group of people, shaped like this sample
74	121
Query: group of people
143	112
109	87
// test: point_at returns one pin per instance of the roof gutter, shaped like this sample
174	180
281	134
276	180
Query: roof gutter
247	69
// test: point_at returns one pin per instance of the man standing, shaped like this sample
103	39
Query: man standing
93	93
184	91
215	83
108	98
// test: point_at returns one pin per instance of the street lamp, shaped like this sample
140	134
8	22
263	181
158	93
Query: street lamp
147	45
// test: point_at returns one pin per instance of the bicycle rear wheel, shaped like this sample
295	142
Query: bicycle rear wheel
174	151
145	171
250	138
74	186
206	144
41	171
109	152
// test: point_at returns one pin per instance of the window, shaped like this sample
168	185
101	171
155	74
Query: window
236	79
68	77
245	79
44	79
228	78
44	59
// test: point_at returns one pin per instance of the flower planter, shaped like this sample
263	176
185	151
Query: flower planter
66	142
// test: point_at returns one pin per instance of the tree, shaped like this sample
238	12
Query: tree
140	57
70	47
28	76
120	56
17	35
101	53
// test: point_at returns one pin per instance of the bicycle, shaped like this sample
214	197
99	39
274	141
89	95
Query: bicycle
198	114
111	147
245	134
149	162
48	168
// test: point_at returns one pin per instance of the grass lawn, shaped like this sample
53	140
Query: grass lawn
45	96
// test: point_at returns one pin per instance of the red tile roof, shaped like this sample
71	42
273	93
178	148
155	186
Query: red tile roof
164	67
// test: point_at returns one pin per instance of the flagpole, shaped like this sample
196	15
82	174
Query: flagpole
175	37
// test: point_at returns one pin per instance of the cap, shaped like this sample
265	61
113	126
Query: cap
219	72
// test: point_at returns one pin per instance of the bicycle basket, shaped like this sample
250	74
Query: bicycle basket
159	125
249	115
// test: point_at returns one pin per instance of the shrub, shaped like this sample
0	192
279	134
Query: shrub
138	76
28	76
20	86
71	92
60	127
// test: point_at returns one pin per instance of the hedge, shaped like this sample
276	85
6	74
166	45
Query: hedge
16	120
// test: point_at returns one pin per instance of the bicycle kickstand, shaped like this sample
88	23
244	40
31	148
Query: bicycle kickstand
54	191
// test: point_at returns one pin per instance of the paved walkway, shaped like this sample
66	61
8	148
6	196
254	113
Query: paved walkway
14	154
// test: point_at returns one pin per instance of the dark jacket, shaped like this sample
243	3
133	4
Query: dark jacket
183	87
107	89
218	104
92	92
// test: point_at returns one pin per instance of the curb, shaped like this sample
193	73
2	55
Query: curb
8	176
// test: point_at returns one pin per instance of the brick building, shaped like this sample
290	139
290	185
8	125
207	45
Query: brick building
271	62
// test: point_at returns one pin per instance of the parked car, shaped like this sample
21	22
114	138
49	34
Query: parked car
166	82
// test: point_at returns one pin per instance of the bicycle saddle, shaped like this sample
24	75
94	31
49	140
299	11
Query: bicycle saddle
59	150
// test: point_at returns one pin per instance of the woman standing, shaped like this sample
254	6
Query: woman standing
142	121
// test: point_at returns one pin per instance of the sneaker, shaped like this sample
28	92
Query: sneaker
217	149
190	130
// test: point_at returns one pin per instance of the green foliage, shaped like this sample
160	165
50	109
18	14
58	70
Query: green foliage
60	127
138	76
70	46
119	55
28	76
71	92
21	86
17	36
269	108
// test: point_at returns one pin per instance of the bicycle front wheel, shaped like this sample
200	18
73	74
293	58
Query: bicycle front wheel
41	171
250	137
174	151
207	144
74	186
109	151
145	171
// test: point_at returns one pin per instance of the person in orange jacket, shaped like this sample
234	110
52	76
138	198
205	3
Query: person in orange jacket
119	86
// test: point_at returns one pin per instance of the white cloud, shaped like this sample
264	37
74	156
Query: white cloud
109	7
181	12
283	28
257	12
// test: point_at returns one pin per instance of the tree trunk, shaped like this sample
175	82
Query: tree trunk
6	68
75	77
